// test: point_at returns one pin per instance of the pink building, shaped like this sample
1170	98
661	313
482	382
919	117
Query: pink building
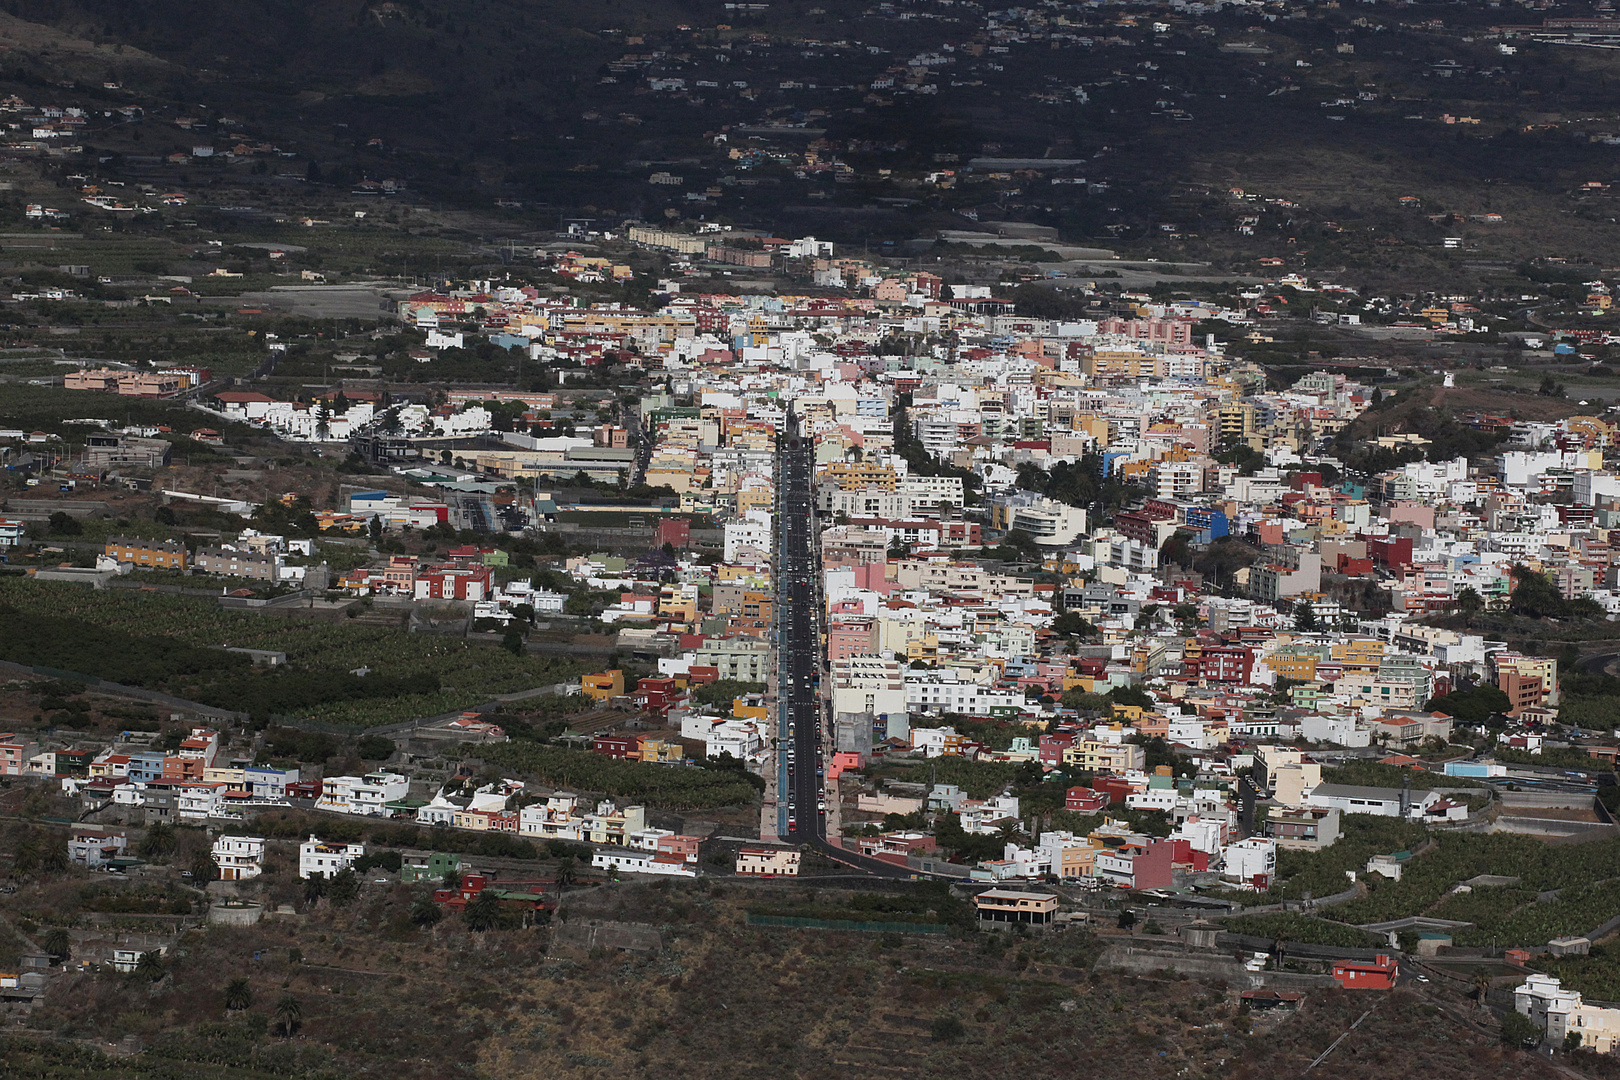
849	637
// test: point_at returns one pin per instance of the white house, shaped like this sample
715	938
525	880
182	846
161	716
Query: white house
367	795
1252	861
239	857
768	862
643	862
1562	1013
317	858
1381	802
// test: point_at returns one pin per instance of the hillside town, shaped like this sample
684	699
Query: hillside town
1081	616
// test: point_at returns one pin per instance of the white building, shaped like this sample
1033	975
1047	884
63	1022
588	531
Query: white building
239	857
1252	861
367	795
317	858
768	862
1561	1012
643	862
560	817
752	534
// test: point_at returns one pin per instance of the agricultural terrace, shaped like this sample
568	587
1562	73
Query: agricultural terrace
175	644
658	786
1562	889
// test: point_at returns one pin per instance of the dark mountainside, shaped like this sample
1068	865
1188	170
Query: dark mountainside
1331	115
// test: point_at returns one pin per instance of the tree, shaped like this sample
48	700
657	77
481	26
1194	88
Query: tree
203	867
58	942
1127	919
53	856
1131	695
1520	1031
238	995
567	871
512	641
1473	706
150	966
374	747
947	1029
1304	617
288	1013
344	887
64	524
1482	987
26	860
1469	603
424	912
158	843
483	911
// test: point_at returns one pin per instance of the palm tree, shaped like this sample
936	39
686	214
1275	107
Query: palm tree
158	843
567	872
288	1013
424	912
238	995
151	966
58	943
26	861
483	912
1469	602
53	857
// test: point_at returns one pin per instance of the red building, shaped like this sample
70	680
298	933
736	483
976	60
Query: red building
517	893
1141	525
1390	553
1117	788
1084	800
1051	747
1224	663
960	533
658	695
676	532
457	582
614	746
1378	975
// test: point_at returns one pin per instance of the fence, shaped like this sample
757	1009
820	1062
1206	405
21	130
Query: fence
848	924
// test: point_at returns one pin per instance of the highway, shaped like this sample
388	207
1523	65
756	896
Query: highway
803	734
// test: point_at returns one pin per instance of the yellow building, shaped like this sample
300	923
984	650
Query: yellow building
1105	757
1286	665
162	554
859	476
661	751
602	685
1117	363
1237	424
1359	655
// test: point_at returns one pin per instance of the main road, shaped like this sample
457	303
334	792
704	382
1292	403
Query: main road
802	724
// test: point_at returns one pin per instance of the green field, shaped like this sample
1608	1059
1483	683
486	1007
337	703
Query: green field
172	643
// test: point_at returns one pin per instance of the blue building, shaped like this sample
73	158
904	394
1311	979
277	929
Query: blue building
1208	524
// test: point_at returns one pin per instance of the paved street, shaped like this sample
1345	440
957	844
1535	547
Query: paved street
803	723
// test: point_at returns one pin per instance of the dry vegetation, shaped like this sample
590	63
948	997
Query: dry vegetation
723	1000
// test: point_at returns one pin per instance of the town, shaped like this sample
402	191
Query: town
1109	632
902	539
